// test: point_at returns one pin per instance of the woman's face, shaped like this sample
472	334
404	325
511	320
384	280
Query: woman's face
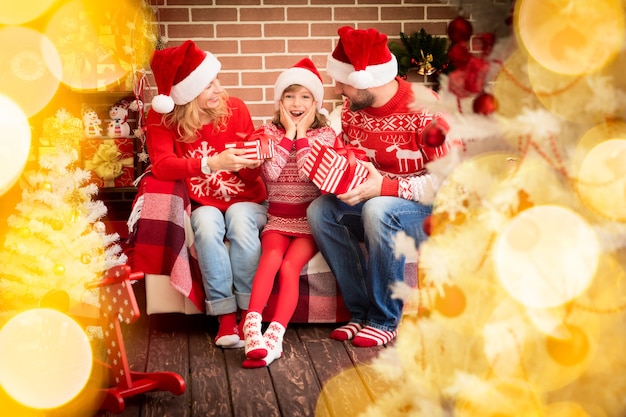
296	101
209	98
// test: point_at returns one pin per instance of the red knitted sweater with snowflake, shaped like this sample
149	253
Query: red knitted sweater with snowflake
174	160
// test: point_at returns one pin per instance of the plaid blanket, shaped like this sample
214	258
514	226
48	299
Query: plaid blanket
162	244
161	238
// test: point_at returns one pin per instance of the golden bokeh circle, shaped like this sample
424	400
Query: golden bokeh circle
570	36
45	358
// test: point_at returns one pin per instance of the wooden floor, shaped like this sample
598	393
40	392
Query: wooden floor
217	385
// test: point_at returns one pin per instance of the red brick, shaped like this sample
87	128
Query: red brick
350	14
243	62
263	46
190	31
214	14
262	14
441	12
305	46
247	30
174	14
294	30
402	13
309	13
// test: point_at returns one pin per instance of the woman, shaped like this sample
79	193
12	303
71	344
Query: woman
191	120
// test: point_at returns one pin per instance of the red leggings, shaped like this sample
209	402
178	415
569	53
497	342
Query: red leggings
286	256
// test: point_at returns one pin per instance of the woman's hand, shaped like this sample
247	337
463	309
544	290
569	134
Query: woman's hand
230	160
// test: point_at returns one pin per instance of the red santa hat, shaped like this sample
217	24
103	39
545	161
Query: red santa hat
181	74
303	73
362	59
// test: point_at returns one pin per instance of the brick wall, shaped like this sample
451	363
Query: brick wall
257	39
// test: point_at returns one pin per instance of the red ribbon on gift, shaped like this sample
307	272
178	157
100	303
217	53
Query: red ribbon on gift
350	153
264	142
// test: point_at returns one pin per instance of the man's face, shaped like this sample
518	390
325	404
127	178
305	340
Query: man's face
359	99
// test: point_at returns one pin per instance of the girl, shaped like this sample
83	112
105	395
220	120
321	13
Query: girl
287	244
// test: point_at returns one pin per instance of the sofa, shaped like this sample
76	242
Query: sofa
161	245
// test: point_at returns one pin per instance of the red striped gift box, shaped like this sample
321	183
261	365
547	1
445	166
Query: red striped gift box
331	172
257	146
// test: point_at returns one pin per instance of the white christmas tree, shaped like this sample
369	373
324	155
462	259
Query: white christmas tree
56	240
521	306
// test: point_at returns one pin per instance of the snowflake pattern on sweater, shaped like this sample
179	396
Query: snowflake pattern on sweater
174	160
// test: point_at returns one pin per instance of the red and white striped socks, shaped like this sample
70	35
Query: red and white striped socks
363	336
346	332
370	336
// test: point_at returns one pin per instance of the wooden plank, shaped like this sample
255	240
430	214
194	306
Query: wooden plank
342	389
210	395
295	382
168	351
252	389
362	359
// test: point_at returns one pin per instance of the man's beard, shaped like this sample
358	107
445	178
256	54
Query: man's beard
362	100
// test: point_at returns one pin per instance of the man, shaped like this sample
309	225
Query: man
382	118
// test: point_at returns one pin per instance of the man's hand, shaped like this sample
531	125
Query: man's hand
370	188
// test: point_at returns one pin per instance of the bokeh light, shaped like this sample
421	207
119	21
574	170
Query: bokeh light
100	43
546	256
45	358
30	68
602	179
18	12
571	36
15	140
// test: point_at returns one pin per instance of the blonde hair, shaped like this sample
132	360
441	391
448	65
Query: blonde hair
320	119
188	121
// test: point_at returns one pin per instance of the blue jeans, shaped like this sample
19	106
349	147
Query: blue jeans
365	284
227	270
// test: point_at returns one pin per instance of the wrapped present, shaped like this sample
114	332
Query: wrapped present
257	146
334	170
111	161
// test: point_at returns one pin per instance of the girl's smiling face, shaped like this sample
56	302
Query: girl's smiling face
209	98
296	101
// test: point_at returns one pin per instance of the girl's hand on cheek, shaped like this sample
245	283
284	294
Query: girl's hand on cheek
287	122
307	120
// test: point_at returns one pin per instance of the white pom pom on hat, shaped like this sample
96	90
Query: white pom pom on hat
162	103
362	59
181	74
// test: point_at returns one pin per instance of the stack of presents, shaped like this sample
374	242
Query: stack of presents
106	148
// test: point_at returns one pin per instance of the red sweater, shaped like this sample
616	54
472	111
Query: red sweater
391	136
174	160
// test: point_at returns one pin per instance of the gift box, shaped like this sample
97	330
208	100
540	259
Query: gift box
257	146
111	161
334	170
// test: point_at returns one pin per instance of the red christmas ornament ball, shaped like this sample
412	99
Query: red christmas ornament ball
460	30
485	104
433	136
427	225
459	54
